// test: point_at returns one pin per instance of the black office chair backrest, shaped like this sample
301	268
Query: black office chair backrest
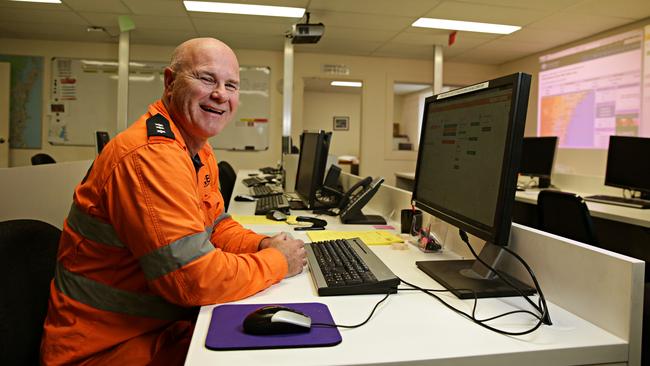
28	251
227	177
565	214
42	158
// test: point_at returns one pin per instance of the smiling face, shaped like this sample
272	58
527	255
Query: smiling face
202	89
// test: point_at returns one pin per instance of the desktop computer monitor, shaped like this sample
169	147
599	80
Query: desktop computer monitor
537	155
628	166
314	147
466	173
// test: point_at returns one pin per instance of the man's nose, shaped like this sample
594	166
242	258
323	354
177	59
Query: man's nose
220	93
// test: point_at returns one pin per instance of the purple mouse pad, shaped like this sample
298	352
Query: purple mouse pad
227	333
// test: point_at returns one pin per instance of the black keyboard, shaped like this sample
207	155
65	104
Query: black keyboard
261	191
270	170
348	267
268	203
254	181
620	201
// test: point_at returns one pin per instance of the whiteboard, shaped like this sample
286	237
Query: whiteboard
84	100
249	129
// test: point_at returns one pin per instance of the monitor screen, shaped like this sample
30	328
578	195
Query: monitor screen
314	147
468	160
537	155
627	163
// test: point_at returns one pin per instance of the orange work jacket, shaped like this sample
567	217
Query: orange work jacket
145	242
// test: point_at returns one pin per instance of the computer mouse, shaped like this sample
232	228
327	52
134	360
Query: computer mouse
244	198
276	319
276	215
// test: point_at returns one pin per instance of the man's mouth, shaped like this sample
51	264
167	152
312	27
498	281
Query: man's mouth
212	110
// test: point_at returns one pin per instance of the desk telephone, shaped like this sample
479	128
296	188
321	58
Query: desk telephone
356	198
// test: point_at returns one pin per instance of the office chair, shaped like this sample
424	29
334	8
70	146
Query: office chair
565	214
227	177
42	158
28	251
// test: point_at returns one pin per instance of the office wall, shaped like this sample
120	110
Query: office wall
378	76
319	108
589	163
49	49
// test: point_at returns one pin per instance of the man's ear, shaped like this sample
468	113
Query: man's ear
169	77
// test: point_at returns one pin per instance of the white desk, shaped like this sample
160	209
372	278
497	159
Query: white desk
413	328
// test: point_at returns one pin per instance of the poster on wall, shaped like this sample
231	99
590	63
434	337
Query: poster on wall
25	110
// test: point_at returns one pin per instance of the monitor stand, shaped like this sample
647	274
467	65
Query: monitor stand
461	277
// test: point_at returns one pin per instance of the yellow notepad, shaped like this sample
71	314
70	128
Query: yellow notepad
259	220
371	237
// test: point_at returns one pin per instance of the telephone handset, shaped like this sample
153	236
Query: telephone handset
355	199
364	183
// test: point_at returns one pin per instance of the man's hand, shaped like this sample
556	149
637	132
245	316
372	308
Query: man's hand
292	249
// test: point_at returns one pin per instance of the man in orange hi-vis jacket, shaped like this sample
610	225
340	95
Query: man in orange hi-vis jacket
147	239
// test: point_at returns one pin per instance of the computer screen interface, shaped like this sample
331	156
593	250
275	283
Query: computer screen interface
537	156
628	165
314	147
468	161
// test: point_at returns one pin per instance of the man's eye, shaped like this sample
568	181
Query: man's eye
207	79
231	86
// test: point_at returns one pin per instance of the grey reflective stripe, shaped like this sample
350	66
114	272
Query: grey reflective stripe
93	229
220	218
175	255
104	297
179	253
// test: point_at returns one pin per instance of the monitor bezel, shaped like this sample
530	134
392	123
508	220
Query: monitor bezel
318	170
537	174
498	233
608	182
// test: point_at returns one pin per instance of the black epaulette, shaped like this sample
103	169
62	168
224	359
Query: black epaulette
159	126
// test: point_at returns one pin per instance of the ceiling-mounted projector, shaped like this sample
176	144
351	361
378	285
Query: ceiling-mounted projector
307	33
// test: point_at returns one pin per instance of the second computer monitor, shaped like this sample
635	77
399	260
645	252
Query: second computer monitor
314	147
628	166
537	155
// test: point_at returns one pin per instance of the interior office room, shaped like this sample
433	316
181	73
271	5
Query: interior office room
62	79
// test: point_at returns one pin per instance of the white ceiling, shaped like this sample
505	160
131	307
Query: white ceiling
378	28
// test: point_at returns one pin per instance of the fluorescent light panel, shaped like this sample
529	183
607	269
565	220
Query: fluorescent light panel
40	1
231	8
354	84
465	26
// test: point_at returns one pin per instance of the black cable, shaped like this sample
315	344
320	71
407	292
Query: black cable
481	322
356	325
542	308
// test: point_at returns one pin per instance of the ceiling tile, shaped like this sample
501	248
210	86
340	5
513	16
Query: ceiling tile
156	7
633	9
333	32
160	37
582	24
546	36
411	8
486	13
230	26
57	32
549	5
400	50
36	16
367	21
140	21
112	6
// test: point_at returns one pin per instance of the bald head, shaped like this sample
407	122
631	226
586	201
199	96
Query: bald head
201	89
187	51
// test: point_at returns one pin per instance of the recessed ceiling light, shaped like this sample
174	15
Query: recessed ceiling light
248	9
354	84
40	1
465	26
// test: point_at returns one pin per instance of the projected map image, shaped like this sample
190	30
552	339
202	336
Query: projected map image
592	91
570	117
